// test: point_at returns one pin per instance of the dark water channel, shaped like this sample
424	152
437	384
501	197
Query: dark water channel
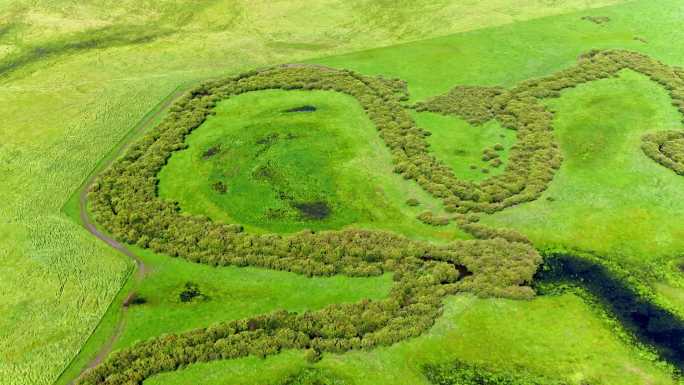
647	321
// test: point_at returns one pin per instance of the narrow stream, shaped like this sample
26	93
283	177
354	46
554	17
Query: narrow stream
650	323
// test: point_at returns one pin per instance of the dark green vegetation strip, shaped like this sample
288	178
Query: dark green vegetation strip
124	201
461	373
666	148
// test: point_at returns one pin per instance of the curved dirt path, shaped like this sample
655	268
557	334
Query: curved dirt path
141	268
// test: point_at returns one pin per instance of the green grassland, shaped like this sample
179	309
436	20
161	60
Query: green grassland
74	83
608	196
560	337
273	163
65	105
230	293
649	239
460	145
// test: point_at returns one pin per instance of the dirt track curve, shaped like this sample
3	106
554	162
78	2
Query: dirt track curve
140	267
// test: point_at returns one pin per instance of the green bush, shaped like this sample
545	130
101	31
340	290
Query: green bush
313	376
461	373
412	202
190	292
597	19
666	148
429	218
476	105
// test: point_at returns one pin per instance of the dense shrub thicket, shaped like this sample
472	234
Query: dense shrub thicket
461	373
535	157
125	201
666	148
313	376
476	105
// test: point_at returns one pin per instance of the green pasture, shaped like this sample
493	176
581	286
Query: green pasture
272	163
230	293
559	337
608	196
76	77
461	145
642	232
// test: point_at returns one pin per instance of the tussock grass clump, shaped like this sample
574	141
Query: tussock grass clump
597	19
412	202
219	187
429	218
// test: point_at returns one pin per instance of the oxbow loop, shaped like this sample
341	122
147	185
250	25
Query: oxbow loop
124	201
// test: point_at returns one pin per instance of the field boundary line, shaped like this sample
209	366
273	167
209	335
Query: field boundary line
138	271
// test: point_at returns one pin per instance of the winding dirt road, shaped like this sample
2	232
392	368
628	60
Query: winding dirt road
140	267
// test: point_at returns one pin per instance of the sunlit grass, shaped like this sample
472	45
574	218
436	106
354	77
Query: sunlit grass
608	196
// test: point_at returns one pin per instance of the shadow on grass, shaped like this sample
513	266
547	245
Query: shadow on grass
650	323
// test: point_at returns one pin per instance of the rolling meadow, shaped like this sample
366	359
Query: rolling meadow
77	79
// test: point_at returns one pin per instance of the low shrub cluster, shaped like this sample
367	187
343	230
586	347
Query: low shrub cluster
461	373
476	105
429	218
597	19
191	292
412	202
489	154
211	151
219	187
481	231
666	148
